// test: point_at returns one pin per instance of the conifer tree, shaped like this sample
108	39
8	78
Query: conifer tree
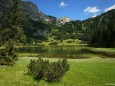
11	33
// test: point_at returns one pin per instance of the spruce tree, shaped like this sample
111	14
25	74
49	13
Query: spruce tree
11	33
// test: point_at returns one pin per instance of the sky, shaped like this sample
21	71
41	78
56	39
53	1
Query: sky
74	9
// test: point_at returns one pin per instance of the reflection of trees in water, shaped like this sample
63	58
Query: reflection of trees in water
56	51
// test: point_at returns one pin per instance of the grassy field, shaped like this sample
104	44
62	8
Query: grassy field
94	71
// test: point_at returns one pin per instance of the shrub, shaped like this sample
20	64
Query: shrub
57	70
38	68
70	41
7	58
49	71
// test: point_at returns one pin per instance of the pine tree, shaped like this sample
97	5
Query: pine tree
11	33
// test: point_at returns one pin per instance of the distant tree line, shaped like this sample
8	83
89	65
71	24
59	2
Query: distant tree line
101	30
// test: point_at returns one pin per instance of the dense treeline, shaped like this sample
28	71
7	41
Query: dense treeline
70	30
97	32
101	30
36	29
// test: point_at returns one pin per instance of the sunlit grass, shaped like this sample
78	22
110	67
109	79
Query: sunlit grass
64	42
95	71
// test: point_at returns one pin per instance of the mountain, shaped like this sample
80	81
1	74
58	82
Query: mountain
98	31
31	10
101	29
104	18
64	20
39	25
34	13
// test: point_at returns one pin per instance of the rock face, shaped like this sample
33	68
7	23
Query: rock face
34	13
30	9
64	20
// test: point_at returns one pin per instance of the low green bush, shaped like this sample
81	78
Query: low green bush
57	70
7	58
70	41
49	71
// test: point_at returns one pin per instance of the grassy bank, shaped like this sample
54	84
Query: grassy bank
95	71
106	52
66	42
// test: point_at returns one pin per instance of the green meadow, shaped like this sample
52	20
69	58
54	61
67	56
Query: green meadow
95	71
88	66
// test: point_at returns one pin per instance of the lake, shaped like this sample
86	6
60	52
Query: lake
73	52
56	51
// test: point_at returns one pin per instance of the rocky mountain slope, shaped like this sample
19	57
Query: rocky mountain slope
30	9
64	20
34	13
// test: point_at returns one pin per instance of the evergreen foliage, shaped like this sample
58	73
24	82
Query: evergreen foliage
101	30
36	29
11	34
49	71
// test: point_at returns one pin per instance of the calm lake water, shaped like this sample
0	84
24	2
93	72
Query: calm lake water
56	51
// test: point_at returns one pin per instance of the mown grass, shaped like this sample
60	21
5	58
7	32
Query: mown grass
95	71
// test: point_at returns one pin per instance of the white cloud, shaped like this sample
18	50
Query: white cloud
109	8
95	15
91	10
63	4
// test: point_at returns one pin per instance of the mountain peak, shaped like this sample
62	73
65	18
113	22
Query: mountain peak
64	19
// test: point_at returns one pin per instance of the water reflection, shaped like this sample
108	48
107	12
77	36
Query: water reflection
55	51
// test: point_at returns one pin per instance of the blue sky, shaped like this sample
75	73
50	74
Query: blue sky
74	9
